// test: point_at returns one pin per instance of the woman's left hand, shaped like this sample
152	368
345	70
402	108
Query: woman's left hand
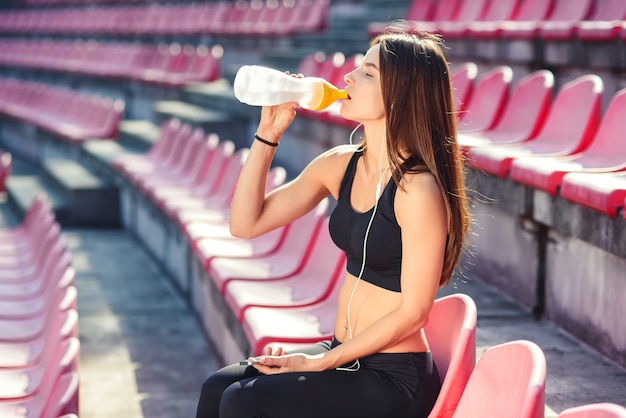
288	363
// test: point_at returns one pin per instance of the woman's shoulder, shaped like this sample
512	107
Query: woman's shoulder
336	157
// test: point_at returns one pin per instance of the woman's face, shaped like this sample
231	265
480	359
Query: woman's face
365	102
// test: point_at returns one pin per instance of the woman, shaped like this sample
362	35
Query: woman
401	196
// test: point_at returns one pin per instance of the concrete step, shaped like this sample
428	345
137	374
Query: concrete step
140	134
79	197
227	125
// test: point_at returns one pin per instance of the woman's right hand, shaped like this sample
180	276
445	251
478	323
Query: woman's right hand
276	119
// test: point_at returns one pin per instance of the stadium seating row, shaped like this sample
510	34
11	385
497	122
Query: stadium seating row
588	20
6	164
240	18
560	145
38	319
281	288
67	114
169	65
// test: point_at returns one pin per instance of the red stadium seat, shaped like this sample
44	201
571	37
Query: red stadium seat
604	24
568	129
314	283
533	94
606	152
419	11
512	376
489	95
595	410
470	11
604	192
463	78
288	260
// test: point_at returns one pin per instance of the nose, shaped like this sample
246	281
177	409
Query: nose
347	78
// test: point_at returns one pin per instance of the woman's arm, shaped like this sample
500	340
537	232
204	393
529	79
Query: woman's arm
421	214
252	212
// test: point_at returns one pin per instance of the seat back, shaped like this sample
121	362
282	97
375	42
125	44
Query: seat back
573	119
446	10
570	10
596	410
508	381
608	147
499	10
526	109
421	10
484	108
451	334
533	10
463	84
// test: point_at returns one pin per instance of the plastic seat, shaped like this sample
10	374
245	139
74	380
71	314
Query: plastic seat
604	192
26	382
604	24
595	410
217	202
419	11
606	152
451	334
16	237
445	11
484	107
310	16
496	12
569	127
559	11
471	11
528	13
314	283
463	78
288	260
20	354
6	164
562	23
58	397
508	381
523	115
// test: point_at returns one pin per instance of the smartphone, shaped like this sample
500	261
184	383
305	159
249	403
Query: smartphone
249	362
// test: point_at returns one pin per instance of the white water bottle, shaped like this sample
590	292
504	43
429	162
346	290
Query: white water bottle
261	86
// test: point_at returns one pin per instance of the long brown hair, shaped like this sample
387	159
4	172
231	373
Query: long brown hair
421	125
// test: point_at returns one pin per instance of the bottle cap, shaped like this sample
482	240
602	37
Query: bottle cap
343	94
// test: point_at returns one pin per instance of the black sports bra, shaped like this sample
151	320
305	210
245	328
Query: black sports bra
384	243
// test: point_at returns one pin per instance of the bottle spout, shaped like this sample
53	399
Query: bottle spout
329	94
343	94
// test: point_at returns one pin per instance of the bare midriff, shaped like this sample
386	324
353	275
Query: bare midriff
369	304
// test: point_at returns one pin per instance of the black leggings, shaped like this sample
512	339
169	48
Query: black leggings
393	385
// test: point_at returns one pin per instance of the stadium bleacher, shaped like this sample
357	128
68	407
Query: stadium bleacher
136	100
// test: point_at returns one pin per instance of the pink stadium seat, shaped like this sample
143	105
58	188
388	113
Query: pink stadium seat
497	11
604	192
445	11
287	260
157	155
6	164
314	283
57	397
563	21
451	333
211	224
17	237
28	265
512	376
604	24
484	107
470	11
528	13
463	78
607	152
16	355
564	13
219	161
62	298
26	382
217	201
419	11
569	127
182	170
533	94
310	16
595	410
